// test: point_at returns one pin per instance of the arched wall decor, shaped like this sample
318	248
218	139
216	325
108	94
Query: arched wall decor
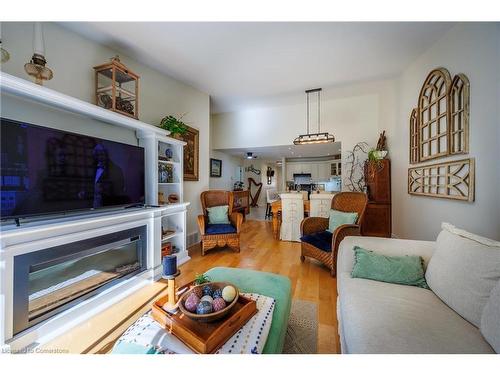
433	115
414	144
459	115
439	127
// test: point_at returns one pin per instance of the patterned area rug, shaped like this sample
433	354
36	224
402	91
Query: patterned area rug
302	332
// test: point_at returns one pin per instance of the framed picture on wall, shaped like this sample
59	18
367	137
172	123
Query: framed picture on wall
215	167
191	153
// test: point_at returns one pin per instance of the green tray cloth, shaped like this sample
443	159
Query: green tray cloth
267	284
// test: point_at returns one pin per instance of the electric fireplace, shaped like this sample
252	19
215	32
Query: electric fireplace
49	281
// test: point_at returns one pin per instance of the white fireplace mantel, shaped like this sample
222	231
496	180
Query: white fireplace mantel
43	234
22	88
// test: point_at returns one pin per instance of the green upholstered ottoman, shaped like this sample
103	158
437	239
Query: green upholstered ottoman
266	284
248	281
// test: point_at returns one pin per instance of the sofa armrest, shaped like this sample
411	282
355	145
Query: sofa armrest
236	219
201	224
313	225
385	246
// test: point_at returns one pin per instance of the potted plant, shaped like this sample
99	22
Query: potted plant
173	125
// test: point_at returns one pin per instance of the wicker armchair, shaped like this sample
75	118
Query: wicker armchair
315	227
213	235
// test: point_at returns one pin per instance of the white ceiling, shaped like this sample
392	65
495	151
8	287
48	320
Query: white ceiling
274	153
237	63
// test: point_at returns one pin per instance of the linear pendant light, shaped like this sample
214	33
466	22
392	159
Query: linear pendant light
313	138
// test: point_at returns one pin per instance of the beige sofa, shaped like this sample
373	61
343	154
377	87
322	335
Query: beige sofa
460	314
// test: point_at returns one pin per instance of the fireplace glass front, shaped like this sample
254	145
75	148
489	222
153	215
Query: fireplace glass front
49	281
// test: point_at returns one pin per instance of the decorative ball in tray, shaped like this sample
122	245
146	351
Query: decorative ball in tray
209	302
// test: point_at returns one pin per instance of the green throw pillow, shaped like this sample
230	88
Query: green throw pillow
338	218
406	270
218	215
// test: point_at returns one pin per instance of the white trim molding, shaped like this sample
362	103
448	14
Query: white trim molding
22	88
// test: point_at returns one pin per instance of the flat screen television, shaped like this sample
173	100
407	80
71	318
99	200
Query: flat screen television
48	171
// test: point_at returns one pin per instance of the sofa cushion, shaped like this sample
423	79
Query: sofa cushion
490	320
218	214
219	229
338	218
321	240
406	270
377	317
463	271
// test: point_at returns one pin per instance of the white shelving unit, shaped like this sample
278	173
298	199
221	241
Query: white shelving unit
156	150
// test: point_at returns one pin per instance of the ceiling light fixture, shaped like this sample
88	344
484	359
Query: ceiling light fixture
314	138
250	155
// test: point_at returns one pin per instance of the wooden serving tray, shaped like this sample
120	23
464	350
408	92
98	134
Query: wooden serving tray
201	337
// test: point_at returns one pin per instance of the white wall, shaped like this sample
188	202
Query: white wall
71	57
359	112
472	49
353	113
230	171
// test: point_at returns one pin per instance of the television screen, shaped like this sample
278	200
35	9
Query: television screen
44	170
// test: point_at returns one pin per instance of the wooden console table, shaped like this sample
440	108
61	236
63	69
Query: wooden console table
241	202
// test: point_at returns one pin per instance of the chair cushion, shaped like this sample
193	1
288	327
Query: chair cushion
218	215
463	271
219	229
338	218
321	240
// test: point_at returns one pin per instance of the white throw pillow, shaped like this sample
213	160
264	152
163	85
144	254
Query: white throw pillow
463	271
490	320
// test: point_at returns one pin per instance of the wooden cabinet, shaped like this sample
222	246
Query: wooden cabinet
241	202
378	220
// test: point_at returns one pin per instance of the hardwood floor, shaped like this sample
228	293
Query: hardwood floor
260	251
311	281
